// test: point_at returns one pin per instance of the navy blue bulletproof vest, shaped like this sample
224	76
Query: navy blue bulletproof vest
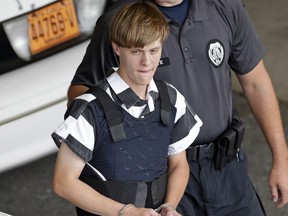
129	148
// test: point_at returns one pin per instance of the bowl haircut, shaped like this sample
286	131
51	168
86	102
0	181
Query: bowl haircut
137	25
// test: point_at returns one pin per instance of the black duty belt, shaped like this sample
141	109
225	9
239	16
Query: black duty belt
223	150
200	152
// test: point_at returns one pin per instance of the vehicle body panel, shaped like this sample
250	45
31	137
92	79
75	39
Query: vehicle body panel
33	91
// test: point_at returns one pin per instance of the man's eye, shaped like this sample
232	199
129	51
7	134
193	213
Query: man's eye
154	51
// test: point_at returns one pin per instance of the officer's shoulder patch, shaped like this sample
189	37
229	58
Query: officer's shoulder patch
215	52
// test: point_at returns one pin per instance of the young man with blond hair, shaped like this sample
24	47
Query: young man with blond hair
122	144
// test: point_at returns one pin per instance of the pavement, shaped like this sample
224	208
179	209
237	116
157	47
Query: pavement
27	191
270	21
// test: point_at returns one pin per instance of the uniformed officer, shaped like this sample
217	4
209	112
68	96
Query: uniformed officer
207	39
122	144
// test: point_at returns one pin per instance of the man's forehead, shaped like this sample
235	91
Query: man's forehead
153	45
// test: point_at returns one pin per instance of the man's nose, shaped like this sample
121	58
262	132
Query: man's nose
145	58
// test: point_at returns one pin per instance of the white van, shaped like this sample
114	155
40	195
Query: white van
41	44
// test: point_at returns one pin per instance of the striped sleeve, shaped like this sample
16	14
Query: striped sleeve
187	124
78	128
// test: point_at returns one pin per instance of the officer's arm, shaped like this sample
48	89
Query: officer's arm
261	97
74	91
96	63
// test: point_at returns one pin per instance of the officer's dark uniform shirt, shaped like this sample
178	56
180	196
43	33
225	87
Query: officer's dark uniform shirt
197	58
143	156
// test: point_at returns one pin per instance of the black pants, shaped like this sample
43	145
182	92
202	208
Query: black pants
228	192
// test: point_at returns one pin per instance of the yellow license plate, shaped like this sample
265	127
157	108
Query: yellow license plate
52	25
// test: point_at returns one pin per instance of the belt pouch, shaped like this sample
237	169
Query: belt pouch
221	154
228	143
225	147
238	126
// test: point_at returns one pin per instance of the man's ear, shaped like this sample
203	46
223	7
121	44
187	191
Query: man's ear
115	48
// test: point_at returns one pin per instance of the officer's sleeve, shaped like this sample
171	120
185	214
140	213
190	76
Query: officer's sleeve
247	49
99	56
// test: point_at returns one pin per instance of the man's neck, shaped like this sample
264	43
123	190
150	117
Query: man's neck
168	3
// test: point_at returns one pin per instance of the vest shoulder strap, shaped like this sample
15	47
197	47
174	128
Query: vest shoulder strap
114	119
164	101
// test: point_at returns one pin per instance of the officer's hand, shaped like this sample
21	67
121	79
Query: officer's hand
169	212
279	182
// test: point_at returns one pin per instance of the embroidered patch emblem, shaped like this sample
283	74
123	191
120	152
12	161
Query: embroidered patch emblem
216	53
